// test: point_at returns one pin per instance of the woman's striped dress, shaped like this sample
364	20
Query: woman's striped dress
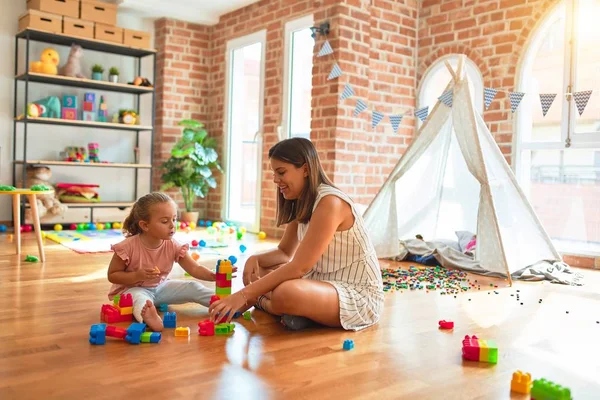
349	263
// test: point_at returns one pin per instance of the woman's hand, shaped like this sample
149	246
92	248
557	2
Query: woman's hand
146	274
226	307
251	270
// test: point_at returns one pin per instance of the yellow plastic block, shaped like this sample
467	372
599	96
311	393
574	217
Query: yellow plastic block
225	267
223	296
182	331
483	351
126	310
521	383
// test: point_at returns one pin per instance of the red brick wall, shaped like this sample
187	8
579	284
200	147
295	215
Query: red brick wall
493	34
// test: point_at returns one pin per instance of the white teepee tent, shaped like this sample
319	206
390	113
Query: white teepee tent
453	177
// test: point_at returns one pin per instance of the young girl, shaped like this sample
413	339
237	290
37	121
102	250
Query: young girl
143	261
324	268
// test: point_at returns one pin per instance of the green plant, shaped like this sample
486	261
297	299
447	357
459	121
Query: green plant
190	167
98	68
113	71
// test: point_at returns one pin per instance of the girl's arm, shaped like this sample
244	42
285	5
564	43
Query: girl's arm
327	217
194	269
285	249
117	274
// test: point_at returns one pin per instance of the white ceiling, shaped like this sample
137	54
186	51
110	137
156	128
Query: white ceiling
206	12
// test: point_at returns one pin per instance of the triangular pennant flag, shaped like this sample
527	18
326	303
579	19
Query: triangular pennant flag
325	49
395	120
546	100
446	98
360	107
515	100
377	117
488	95
581	99
336	71
348	92
422	113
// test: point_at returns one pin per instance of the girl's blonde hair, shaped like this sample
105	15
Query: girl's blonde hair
141	212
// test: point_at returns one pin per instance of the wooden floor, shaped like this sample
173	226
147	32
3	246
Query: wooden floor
48	309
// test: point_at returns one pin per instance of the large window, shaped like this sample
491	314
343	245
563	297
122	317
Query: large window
557	157
298	63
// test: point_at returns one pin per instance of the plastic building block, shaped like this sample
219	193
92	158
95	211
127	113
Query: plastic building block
543	389
29	258
163	307
446	324
242	248
116	332
348	344
247	316
206	328
225	267
237	314
126	300
214	298
520	383
150	337
98	334
126	310
233	259
182	331
222	290
111	314
475	349
116	300
224	329
170	320
134	332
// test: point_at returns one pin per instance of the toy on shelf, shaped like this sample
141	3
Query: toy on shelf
93	149
48	107
89	107
128	117
475	349
73	64
48	64
446	324
348	344
102	110
543	389
75	154
182	331
77	193
520	383
69	107
139	81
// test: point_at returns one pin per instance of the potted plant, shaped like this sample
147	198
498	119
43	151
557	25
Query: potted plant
190	167
97	71
113	75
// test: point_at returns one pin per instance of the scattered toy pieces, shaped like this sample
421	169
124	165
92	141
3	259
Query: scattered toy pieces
170	320
182	331
348	344
446	324
30	258
475	349
520	383
248	316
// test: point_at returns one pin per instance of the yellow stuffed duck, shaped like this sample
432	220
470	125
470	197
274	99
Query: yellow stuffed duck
48	63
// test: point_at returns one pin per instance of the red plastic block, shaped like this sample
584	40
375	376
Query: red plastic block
116	332
214	298
206	328
446	324
126	300
110	315
470	349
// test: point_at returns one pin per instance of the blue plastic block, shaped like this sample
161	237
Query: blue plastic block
151	337
233	259
170	320
242	248
134	332
348	344
202	243
163	307
98	334
237	314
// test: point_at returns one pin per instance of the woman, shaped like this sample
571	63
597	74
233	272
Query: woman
324	268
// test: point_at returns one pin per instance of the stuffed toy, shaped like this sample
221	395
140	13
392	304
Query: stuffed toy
48	204
78	193
73	65
48	63
48	107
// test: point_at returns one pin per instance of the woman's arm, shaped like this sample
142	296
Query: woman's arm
285	249
117	274
194	269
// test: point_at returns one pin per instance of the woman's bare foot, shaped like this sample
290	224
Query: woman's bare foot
151	317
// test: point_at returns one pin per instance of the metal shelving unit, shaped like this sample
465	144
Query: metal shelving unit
29	35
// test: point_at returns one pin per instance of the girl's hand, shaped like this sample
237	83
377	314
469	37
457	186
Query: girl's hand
146	274
228	306
251	270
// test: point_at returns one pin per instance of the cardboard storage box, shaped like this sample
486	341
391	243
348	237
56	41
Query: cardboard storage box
41	21
69	8
109	33
136	39
78	27
98	11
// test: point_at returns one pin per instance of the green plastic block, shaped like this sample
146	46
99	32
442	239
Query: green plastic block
228	276
31	259
145	338
116	299
226	290
247	316
224	329
492	351
543	389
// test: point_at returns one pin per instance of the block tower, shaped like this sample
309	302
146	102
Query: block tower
89	107
223	278
69	108
120	311
93	149
102	110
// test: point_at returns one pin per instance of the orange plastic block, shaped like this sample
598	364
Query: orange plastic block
182	331
521	383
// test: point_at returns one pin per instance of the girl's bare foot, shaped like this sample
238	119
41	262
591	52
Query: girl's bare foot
151	317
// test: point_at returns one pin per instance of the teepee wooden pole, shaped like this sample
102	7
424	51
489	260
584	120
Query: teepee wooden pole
459	70
450	69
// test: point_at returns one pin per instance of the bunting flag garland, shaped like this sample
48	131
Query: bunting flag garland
581	99
422	113
489	94
515	100
446	98
546	100
336	72
395	120
377	117
325	49
360	107
347	93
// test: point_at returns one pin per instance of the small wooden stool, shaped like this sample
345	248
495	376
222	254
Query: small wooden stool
31	194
